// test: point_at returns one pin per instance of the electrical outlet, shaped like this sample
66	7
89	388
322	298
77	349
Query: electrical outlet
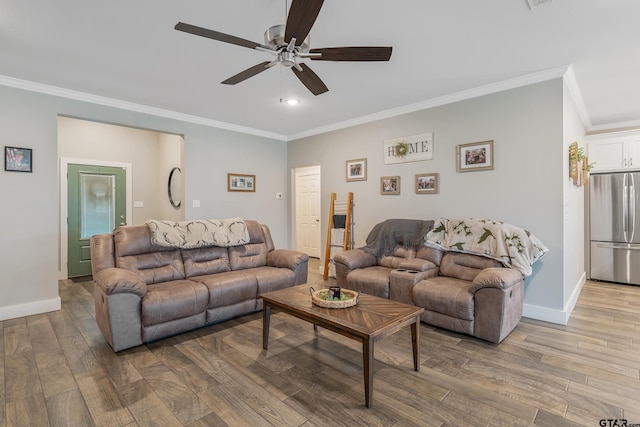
196	203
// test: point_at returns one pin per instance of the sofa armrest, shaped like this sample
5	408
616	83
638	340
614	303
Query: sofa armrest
118	280
499	299
286	258
298	262
496	277
355	258
118	295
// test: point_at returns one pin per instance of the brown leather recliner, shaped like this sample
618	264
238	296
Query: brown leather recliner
145	292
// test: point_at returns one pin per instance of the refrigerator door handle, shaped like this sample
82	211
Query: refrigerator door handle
615	246
632	208
625	206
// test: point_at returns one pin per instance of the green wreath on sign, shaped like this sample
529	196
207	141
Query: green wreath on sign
401	149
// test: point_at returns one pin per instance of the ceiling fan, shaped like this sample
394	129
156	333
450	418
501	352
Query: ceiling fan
290	43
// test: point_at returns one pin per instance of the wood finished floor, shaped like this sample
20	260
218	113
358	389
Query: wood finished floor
57	370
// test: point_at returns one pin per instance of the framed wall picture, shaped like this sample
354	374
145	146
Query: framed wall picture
357	170
389	185
241	182
476	156
427	183
18	159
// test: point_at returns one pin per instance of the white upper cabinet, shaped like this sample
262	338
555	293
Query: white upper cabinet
618	152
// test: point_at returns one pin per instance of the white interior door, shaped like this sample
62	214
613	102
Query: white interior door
308	210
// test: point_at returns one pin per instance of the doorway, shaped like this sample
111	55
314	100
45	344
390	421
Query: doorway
65	164
148	155
307	210
96	205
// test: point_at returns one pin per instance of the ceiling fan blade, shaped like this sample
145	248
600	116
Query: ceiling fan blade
249	72
367	53
215	35
302	16
310	80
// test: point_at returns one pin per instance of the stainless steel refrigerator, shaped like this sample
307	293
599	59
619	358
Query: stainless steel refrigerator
614	200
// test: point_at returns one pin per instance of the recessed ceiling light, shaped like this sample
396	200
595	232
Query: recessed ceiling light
290	101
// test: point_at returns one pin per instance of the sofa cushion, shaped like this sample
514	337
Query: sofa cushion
465	266
370	280
134	252
273	278
230	287
208	260
173	300
154	267
248	256
445	295
394	259
430	254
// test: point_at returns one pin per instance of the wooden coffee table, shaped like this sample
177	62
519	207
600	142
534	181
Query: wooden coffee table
373	318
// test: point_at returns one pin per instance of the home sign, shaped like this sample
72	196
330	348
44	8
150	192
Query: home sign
408	148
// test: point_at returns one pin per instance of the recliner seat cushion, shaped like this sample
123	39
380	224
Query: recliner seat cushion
445	295
273	278
230	287
371	280
173	300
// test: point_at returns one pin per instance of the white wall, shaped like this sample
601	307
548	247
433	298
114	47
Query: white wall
29	247
525	188
574	209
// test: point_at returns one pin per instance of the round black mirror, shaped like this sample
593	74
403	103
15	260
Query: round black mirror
175	187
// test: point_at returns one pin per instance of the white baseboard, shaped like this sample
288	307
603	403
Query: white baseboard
28	309
552	315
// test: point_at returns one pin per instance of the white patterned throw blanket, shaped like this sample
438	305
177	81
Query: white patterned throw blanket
199	233
513	246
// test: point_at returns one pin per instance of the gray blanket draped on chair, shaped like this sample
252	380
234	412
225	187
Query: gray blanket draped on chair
389	234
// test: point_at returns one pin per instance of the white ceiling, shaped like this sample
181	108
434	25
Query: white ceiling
442	50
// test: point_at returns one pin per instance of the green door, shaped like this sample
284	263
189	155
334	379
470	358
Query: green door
97	204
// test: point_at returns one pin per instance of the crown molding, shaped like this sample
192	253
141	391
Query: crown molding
575	92
632	125
566	72
540	76
130	106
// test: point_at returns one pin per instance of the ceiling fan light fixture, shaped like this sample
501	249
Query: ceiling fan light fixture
287	59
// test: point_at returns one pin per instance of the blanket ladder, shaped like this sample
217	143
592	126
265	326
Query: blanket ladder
339	234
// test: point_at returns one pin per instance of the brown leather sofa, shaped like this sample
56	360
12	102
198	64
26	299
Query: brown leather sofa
460	292
145	292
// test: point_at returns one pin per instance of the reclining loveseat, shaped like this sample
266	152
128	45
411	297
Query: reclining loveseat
474	294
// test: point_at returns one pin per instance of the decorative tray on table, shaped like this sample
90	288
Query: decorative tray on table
323	298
